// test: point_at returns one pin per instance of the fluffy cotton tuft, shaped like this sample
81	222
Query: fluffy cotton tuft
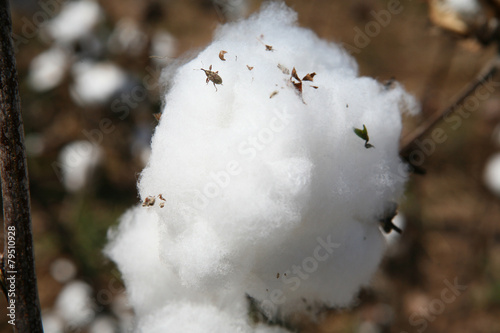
265	191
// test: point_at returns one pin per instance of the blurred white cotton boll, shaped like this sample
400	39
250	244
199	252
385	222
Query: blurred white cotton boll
232	9
163	47
63	270
48	68
460	16
75	20
492	174
75	305
52	323
78	160
96	83
265	189
467	8
103	324
127	38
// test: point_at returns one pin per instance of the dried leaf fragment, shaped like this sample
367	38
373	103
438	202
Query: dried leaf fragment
283	69
268	47
309	76
221	55
386	218
157	116
149	201
249	68
297	85
294	74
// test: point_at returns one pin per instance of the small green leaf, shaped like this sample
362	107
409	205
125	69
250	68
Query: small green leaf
363	134
360	133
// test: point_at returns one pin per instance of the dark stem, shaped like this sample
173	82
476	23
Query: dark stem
18	263
488	72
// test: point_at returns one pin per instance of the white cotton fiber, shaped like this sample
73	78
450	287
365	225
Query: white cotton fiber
265	191
199	318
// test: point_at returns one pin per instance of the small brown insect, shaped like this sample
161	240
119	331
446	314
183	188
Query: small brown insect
249	68
278	275
212	76
274	93
221	55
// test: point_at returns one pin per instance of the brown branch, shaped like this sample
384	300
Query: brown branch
488	71
18	264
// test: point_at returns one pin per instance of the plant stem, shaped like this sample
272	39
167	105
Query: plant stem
488	71
18	264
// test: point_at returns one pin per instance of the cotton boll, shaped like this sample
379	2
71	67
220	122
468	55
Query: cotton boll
75	20
241	171
74	304
267	190
78	160
48	68
492	174
96	83
127	38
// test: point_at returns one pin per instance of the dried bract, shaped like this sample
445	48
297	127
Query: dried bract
149	201
221	55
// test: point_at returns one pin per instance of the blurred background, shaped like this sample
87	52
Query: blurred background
89	88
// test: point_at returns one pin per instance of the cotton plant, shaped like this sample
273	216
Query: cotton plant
271	167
